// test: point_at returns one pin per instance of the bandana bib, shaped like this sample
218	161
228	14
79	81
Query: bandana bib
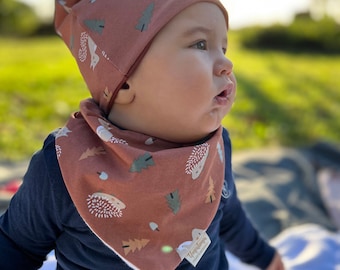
148	200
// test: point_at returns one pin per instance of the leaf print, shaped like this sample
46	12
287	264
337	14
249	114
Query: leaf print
146	18
95	25
142	162
174	201
132	245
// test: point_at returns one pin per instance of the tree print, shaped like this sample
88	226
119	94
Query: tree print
91	152
174	201
211	192
132	245
142	162
146	18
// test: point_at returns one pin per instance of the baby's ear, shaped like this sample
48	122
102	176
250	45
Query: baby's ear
125	95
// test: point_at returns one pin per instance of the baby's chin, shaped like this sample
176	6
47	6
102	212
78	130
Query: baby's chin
201	137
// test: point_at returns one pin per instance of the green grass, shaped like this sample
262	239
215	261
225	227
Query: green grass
40	86
283	99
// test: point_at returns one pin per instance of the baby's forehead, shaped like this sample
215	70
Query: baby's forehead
201	19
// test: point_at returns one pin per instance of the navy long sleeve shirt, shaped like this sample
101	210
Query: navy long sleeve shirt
42	217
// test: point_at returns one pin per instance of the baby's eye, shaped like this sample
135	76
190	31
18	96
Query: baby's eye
200	45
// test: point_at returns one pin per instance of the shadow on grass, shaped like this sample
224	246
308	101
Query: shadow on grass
289	124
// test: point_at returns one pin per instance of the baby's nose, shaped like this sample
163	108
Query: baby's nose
223	67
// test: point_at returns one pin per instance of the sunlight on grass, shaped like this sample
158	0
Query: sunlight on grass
283	99
40	87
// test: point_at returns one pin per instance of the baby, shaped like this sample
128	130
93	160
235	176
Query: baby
140	177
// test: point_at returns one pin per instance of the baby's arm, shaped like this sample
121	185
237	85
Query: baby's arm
241	237
237	231
29	227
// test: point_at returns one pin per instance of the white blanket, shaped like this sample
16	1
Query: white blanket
304	247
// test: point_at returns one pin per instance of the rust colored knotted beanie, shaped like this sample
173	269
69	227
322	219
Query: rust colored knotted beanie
109	38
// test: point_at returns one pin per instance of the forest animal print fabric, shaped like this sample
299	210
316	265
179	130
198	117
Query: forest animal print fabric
143	197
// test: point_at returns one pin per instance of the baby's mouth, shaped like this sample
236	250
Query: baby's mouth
222	98
223	94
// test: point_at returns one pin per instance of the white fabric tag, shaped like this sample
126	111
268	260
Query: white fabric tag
197	247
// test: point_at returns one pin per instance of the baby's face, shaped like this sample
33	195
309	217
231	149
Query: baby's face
184	85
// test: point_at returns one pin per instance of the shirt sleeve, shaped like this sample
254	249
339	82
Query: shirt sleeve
238	233
30	226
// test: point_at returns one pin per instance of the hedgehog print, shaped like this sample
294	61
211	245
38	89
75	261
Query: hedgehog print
103	205
197	159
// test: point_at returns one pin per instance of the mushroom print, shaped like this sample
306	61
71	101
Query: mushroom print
104	205
107	136
103	175
104	134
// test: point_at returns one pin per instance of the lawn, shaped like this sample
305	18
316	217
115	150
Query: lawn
283	99
39	87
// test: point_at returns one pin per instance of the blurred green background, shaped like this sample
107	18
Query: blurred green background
288	83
